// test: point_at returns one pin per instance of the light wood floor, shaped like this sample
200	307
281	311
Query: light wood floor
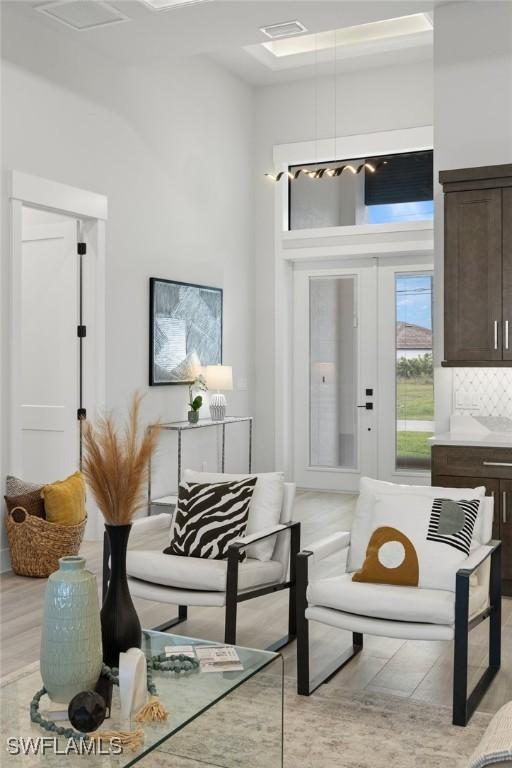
419	670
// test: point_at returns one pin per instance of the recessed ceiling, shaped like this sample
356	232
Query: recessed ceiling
375	31
221	29
356	46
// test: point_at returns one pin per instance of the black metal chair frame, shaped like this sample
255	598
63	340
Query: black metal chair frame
463	705
233	597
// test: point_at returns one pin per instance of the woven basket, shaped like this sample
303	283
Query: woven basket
37	544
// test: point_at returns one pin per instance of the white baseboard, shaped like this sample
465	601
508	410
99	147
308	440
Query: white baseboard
5	560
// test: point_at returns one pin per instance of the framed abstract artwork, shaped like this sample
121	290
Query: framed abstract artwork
185	330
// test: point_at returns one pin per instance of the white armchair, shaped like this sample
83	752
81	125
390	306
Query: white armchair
409	613
189	581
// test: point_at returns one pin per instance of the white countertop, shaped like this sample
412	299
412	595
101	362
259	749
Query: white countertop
489	440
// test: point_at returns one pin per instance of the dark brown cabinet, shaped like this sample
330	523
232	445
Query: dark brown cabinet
469	467
507	273
478	266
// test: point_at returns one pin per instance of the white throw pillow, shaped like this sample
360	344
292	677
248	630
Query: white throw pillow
437	539
265	508
362	525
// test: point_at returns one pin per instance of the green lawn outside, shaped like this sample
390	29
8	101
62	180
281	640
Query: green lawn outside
413	444
415	399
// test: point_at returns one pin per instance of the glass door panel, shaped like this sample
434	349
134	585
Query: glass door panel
333	372
414	371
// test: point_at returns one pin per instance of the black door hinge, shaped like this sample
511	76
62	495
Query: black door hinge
81	249
81	331
81	414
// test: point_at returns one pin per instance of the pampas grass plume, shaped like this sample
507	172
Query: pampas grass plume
116	463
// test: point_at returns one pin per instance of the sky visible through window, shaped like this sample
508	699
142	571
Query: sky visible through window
414	300
393	212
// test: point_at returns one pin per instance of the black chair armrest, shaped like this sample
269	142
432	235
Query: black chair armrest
494	546
237	546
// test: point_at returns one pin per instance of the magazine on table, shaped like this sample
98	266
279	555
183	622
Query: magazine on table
212	658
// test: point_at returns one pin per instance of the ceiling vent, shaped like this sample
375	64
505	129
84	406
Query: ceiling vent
164	5
82	14
285	29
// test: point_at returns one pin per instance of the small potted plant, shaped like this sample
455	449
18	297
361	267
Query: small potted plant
196	402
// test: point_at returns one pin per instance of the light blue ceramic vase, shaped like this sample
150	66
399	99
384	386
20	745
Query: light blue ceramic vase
71	656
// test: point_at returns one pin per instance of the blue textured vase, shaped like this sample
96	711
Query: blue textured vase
71	656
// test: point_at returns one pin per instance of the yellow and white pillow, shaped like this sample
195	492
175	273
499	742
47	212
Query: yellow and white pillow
418	541
369	489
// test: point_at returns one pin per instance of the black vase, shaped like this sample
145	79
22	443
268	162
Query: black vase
120	625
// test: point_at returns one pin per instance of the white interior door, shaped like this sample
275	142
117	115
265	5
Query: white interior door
48	354
335	376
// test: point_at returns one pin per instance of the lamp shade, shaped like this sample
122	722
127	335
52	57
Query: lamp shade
219	377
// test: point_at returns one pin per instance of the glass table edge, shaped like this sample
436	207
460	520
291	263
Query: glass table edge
276	657
177	426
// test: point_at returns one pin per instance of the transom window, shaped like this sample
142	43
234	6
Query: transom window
370	190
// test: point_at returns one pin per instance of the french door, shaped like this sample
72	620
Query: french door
335	363
362	391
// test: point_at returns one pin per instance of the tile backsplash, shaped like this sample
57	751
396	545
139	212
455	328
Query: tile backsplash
483	391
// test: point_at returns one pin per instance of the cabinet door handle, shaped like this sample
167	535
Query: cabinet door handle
495	334
497	463
506	334
504	507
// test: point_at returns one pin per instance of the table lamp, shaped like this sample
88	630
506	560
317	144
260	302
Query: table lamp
218	377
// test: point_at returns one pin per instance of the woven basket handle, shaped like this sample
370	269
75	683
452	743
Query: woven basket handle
18	518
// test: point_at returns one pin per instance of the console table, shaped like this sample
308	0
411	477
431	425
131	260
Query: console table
184	426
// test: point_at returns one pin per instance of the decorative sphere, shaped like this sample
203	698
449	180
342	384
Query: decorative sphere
86	711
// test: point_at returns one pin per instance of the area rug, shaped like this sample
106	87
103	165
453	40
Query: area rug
330	729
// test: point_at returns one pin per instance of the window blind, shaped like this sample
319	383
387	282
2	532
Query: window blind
405	178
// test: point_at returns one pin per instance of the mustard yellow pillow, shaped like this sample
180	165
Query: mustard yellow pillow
64	500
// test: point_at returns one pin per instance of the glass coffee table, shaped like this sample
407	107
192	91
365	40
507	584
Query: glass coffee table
223	719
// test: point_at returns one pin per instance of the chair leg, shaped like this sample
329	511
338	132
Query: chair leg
182	616
231	599
292	612
230	624
495	617
464	706
292	593
292	602
306	686
460	652
357	640
302	625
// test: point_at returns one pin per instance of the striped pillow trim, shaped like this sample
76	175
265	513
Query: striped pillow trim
210	517
461	540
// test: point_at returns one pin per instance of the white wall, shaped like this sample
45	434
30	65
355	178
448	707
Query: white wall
472	122
375	100
172	150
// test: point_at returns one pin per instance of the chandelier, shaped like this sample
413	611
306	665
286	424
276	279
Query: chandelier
318	173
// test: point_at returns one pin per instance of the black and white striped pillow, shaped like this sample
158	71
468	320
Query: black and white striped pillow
209	517
453	522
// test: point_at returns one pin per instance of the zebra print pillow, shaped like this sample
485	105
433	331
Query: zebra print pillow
209	517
